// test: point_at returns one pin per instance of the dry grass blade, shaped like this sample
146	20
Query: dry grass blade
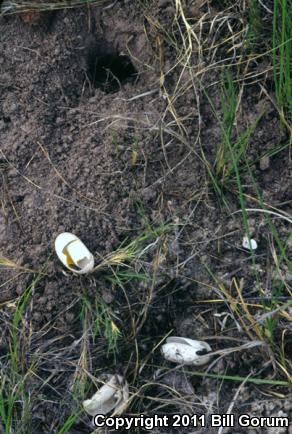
9	264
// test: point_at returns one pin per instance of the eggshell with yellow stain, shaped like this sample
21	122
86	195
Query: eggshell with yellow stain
73	253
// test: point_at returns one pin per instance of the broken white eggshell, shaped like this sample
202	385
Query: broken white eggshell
185	351
73	253
249	243
111	397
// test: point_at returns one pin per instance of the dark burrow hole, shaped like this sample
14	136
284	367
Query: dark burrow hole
109	71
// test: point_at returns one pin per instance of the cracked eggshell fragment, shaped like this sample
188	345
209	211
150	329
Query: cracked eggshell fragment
186	351
111	397
249	243
73	253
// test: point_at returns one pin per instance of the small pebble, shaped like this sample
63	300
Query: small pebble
69	317
265	163
37	316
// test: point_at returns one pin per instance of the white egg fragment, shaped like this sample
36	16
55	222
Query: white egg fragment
73	253
112	397
249	243
186	351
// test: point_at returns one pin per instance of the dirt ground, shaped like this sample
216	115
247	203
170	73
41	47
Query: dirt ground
103	158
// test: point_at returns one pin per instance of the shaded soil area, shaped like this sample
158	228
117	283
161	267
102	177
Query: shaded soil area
89	145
